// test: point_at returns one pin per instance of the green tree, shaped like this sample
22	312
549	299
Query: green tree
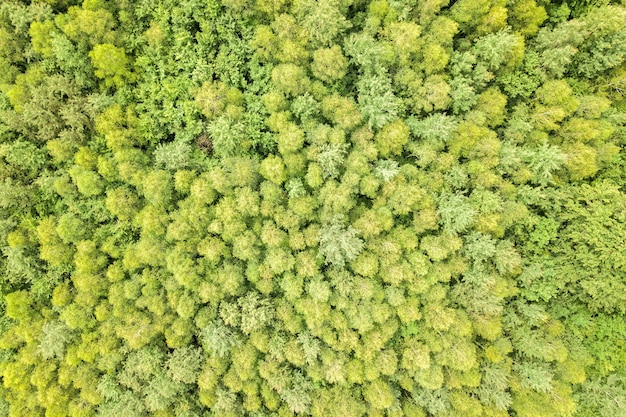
273	169
122	202
339	244
342	111
485	16
527	17
173	156
378	394
88	182
392	138
111	64
329	64
183	365
377	101
290	79
158	188
323	21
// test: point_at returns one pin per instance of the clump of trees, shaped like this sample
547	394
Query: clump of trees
317	208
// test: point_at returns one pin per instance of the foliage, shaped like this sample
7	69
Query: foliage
338	244
325	208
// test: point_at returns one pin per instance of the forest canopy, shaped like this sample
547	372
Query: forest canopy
327	208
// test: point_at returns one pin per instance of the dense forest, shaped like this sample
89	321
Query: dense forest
328	208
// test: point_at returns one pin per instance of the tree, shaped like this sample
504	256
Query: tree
290	79
290	139
215	99
122	202
88	182
342	111
527	17
255	313
183	365
111	64
339	401
52	249
492	103
217	339
587	45
386	169
405	38
317	207
603	396
437	58
160	393
89	23
127	404
158	188
436	128
463	95
370	55
378	394
330	159
305	107
377	101
329	64
415	356
323	21
173	156
392	138
273	169
498	48
543	162
455	212
339	244
580	161
228	137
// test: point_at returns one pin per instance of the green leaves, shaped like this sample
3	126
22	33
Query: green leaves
158	188
173	156
339	244
586	46
323	21
290	79
273	169
55	336
212	99
604	396
377	101
386	169
543	162
536	376
255	313
26	158
378	394
493	389
456	214
496	48
329	64
392	138
161	393
330	159
366	52
436	128
228	137
111	64
321	208
183	365
217	339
